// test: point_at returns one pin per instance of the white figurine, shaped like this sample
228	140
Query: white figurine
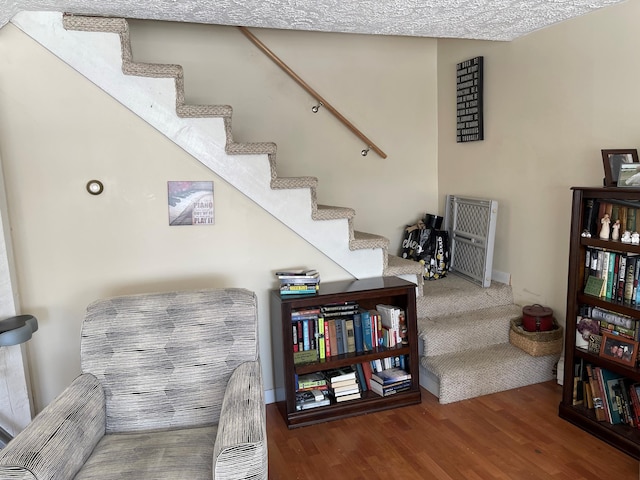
604	231
626	237
635	238
615	234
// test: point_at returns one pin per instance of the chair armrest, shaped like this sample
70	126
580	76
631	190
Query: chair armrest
240	450
61	438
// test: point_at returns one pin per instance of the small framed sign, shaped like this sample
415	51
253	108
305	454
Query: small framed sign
470	122
190	203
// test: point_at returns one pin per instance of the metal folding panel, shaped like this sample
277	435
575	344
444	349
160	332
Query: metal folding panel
471	223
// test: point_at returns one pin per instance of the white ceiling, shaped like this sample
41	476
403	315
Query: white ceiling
472	19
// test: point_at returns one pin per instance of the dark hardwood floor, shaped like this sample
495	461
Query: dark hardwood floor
511	435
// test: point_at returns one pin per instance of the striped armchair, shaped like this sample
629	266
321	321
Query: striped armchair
171	388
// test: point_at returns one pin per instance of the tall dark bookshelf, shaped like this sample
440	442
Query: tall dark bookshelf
621	436
368	293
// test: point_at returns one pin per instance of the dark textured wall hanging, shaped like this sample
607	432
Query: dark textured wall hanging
469	98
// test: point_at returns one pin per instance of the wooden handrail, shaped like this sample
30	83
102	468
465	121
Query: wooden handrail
311	91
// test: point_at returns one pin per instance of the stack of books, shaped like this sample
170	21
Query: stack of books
390	381
299	282
306	399
342	384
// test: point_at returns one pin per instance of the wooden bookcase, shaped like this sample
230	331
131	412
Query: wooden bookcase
368	293
621	436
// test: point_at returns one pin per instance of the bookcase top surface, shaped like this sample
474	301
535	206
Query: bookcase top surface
361	285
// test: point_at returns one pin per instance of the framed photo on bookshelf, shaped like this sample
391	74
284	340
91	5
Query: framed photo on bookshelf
612	159
629	175
619	349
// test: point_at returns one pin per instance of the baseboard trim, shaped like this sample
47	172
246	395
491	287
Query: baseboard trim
501	277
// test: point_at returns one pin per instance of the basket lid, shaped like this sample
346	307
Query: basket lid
537	310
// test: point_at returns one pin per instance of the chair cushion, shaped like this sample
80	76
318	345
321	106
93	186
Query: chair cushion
164	359
185	454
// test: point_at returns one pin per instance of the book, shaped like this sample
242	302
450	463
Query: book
344	398
298	292
610	385
340	374
302	314
345	390
358	332
367	338
327	340
349	306
332	338
610	275
593	286
376	327
366	369
297	272
390	317
596	394
597	371
344	383
362	381
320	339
305	356
351	336
311	399
306	335
294	335
340	333
628	281
300	288
313	281
345	334
390	375
634	395
316	379
390	389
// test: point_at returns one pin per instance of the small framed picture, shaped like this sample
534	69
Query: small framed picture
619	349
612	159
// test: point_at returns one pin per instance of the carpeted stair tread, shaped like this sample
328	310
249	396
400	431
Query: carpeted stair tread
467	330
294	182
256	148
472	373
399	266
327	212
362	240
454	294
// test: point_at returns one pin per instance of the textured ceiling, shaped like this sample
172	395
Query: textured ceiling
473	19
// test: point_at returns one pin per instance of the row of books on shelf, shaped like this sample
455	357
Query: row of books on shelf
628	215
608	334
299	282
339	385
612	397
612	275
335	329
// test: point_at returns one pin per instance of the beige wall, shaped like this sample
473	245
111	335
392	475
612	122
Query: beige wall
57	131
553	100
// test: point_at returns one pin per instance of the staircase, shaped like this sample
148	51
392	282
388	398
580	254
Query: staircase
465	349
99	48
464	327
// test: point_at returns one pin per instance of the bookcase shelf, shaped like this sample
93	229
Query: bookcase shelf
367	293
621	436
